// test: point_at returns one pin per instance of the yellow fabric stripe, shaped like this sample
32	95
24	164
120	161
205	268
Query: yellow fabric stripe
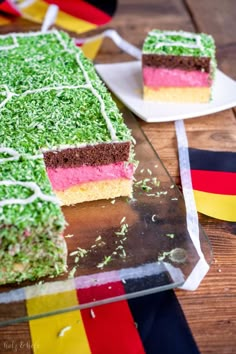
45	331
218	206
37	11
90	49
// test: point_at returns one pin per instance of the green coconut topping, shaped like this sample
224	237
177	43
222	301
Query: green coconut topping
48	101
179	43
39	216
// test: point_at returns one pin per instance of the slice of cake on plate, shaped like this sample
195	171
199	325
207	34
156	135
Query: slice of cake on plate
178	66
62	141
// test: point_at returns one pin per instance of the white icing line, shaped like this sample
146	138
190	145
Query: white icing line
42	89
96	94
15	155
49	88
12	46
31	185
26	34
89	85
196	37
62	42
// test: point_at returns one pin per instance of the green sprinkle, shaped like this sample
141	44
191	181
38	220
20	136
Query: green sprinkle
107	259
170	235
74	253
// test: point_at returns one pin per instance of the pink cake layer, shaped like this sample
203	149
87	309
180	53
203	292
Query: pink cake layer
158	77
63	178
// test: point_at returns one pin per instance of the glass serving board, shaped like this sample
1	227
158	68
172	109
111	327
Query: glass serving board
121	248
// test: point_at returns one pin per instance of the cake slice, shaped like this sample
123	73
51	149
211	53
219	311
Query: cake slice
62	141
178	66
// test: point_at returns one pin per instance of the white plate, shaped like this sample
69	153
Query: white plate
125	81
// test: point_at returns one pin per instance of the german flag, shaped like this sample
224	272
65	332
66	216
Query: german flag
214	182
149	324
74	15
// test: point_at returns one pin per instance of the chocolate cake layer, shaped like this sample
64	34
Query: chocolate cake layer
173	62
90	155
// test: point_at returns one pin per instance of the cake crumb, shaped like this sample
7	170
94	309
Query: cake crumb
69	236
123	220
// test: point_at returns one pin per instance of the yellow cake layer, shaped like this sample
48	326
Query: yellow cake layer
177	94
95	190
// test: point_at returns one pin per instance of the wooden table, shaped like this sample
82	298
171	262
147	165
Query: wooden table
211	310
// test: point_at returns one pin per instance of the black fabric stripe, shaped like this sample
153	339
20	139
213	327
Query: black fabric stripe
109	7
206	160
162	325
147	282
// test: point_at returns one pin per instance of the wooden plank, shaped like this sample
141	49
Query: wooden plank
134	19
218	18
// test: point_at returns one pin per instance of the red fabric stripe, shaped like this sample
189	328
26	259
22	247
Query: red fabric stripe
214	182
112	330
9	8
83	10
